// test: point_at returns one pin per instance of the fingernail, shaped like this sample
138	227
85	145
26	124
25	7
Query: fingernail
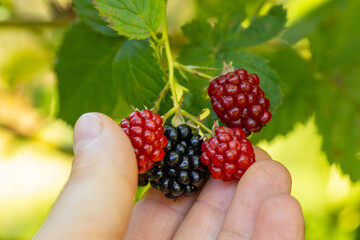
87	129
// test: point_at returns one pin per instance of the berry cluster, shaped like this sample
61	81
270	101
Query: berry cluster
146	133
175	160
228	154
238	101
181	172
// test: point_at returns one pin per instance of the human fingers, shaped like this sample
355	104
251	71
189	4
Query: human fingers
156	217
209	209
97	200
279	218
262	180
206	216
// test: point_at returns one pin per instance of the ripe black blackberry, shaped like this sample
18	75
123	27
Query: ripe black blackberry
143	179
181	172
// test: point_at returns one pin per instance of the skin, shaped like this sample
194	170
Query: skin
97	201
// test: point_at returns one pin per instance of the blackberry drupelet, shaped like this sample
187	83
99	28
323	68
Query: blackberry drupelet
181	172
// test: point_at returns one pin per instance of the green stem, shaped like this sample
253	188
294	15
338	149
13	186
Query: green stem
192	71
169	113
195	120
165	39
172	81
155	38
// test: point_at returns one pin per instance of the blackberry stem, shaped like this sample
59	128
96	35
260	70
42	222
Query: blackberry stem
172	81
155	38
165	39
195	120
192	71
169	113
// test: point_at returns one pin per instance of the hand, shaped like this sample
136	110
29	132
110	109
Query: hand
97	201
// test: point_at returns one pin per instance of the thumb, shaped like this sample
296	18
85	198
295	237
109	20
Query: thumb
97	200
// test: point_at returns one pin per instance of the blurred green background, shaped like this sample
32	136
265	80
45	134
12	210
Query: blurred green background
36	148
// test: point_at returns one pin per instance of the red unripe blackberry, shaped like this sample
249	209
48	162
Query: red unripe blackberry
238	100
228	153
146	133
181	172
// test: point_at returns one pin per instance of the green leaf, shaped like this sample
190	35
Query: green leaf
260	30
88	14
336	41
336	59
84	73
140	191
223	10
137	74
338	119
229	34
201	49
122	109
205	41
196	98
334	100
309	22
199	32
196	54
269	81
132	18
298	85
166	104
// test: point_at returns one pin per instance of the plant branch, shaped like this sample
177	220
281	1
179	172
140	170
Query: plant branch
189	69
169	113
155	38
165	39
195	120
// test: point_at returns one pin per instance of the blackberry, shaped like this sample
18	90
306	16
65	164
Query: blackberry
181	172
143	179
238	101
228	154
146	133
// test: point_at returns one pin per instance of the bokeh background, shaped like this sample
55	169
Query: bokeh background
36	147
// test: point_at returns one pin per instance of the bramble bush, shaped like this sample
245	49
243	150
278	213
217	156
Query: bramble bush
119	54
